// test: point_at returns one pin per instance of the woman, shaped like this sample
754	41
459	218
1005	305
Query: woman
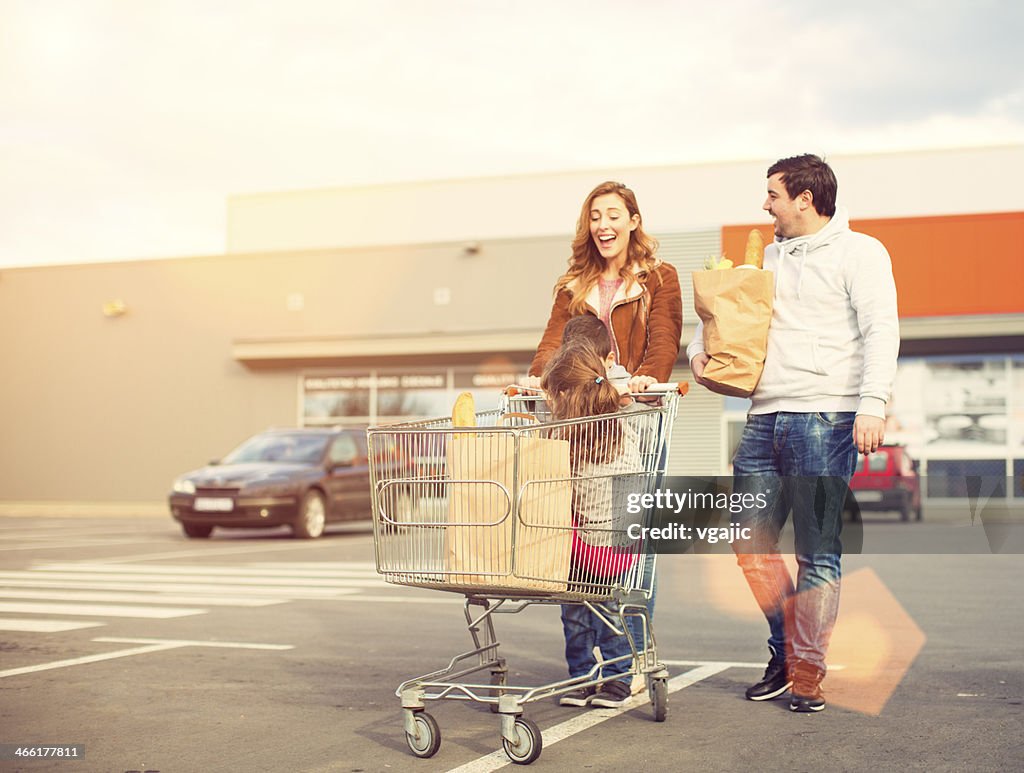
614	275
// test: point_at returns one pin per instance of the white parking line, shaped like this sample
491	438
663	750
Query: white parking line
722	663
42	626
86	659
588	719
151	645
98	610
233	645
733	664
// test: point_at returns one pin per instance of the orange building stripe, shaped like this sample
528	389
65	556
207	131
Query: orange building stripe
944	266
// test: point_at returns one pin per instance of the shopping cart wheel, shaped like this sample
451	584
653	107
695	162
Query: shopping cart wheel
528	743
658	689
427	739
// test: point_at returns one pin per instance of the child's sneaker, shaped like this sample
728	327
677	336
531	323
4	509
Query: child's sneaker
612	695
579	697
638	685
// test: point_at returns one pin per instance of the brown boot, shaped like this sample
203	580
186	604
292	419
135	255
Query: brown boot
805	695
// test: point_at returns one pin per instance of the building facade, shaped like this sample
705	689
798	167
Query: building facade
368	305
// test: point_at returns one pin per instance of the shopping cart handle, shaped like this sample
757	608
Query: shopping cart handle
515	389
681	387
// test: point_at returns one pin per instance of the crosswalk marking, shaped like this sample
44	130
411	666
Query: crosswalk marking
368	566
98	610
334	571
152	598
182	587
149	575
35	625
140	590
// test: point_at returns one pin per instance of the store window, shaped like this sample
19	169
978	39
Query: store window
412	395
961	416
336	399
389	395
956	477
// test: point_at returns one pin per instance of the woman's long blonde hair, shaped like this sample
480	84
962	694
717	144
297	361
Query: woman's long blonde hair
586	263
576	385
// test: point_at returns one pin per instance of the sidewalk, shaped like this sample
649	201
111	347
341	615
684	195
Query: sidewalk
83	509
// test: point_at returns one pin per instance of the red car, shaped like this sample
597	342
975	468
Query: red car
886	480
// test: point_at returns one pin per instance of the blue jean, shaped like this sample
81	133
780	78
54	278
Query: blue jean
649	578
799	462
636	626
583	631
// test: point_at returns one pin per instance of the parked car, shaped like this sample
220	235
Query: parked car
886	480
302	478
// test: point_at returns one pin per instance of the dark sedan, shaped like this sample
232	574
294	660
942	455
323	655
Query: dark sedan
302	478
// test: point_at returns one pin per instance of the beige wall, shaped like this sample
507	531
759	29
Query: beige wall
672	199
110	409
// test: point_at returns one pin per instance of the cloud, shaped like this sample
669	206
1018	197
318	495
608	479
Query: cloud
157	110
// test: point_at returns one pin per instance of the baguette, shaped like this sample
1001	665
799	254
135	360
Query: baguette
464	411
754	254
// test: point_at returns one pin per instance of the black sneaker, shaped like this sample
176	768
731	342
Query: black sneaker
579	697
774	682
612	695
806	695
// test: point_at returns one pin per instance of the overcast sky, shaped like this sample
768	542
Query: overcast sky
126	124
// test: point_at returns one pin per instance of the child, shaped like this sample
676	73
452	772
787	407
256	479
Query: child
601	452
589	329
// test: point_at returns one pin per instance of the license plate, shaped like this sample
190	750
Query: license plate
868	496
214	504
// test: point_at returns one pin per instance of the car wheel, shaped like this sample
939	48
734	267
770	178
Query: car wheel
197	530
312	516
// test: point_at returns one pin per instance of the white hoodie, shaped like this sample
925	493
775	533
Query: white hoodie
834	337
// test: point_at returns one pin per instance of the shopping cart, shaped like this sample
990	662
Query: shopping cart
493	512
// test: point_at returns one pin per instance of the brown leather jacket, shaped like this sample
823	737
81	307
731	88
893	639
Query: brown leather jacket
647	323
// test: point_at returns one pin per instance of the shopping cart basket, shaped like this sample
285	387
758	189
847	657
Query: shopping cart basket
515	511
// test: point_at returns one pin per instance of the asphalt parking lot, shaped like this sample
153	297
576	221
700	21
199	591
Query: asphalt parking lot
255	652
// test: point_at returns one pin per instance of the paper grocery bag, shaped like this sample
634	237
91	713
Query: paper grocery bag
493	541
735	306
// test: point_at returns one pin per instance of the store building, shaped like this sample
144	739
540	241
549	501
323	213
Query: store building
367	305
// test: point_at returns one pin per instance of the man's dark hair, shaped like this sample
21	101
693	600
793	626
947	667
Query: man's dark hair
587	327
808	173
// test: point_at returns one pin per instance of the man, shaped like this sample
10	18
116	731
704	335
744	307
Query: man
830	364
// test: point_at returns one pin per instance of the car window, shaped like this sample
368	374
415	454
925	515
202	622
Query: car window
878	462
279	447
343	450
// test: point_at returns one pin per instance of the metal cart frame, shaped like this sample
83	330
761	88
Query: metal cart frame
425	513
